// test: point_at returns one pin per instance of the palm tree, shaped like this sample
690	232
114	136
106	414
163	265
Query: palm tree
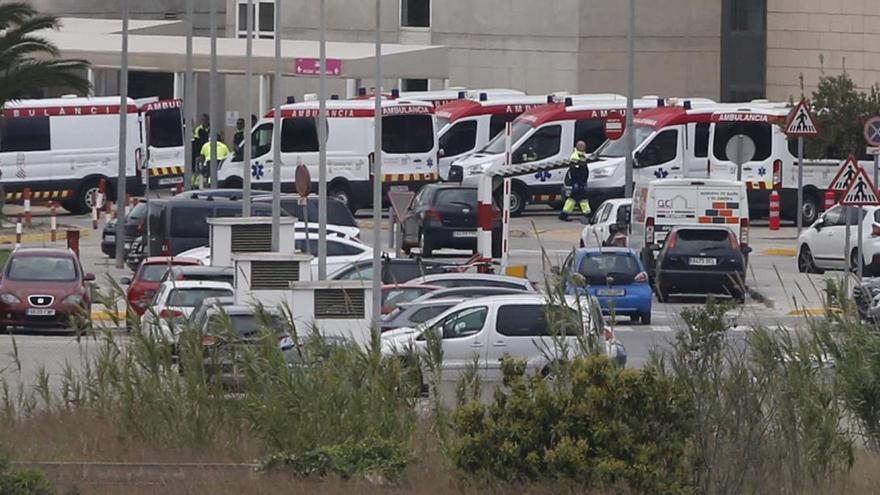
28	61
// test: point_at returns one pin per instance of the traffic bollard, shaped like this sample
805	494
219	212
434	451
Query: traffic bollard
27	206
18	233
94	211
774	210
53	221
829	200
73	241
178	188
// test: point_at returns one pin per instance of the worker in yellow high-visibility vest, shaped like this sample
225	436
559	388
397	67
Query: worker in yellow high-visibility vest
222	152
577	176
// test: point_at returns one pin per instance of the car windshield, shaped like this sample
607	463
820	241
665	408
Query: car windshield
617	148
622	267
42	268
138	212
154	272
496	146
394	297
192	297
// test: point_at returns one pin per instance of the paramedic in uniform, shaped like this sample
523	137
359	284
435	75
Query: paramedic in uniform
222	152
201	135
577	176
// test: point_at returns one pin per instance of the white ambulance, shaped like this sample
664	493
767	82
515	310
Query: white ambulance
61	148
547	133
660	205
409	145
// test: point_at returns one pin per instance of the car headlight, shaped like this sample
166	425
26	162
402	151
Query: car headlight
603	173
73	299
475	169
9	298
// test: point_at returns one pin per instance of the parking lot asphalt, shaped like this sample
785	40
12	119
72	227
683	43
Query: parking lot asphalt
779	293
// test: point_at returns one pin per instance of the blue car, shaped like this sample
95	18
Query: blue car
616	277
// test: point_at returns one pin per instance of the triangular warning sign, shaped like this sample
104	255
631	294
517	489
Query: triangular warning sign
845	174
801	122
861	192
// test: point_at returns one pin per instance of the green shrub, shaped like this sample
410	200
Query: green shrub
607	427
23	482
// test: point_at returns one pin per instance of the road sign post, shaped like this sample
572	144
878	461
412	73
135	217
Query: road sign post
303	181
861	192
401	201
872	137
742	149
841	183
800	124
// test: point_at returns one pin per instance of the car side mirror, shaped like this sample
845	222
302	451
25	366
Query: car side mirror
441	152
819	224
125	281
456	174
89	277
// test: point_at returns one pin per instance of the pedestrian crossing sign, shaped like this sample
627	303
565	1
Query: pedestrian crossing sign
861	192
845	174
801	122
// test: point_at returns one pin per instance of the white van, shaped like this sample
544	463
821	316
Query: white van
548	133
61	148
409	144
660	205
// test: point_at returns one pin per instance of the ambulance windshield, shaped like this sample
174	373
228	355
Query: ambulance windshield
617	149
496	146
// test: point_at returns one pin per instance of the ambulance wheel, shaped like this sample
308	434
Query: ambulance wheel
82	203
518	200
342	193
233	183
811	209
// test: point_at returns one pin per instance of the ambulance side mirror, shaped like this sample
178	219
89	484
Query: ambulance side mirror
441	152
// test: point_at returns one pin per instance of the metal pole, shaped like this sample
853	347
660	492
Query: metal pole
859	219
800	187
121	174
505	201
322	150
739	157
846	255
876	168
377	179
630	94
189	104
248	110
276	136
213	95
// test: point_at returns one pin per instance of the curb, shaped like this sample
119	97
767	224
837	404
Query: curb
41	237
779	252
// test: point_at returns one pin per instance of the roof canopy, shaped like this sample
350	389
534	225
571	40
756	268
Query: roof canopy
100	42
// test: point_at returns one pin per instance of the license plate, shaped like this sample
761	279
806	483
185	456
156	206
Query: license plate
464	233
110	238
170	180
40	312
702	261
611	292
400	188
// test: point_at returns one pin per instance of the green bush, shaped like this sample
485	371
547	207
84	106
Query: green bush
23	482
607	427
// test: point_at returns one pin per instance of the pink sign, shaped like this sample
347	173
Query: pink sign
312	67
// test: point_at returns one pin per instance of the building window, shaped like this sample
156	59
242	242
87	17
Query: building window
264	19
415	13
414	84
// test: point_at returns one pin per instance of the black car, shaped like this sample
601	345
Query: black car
235	194
134	224
337	212
394	270
701	261
445	216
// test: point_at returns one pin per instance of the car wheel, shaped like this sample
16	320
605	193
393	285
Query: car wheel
233	183
82	203
407	249
517	201
646	318
426	245
854	260
343	194
805	261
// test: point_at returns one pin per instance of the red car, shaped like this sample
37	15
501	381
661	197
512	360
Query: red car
394	294
45	288
145	282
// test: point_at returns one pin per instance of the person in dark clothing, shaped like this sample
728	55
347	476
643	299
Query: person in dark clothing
238	139
577	177
201	135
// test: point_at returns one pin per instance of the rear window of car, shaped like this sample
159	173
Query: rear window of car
153	272
245	325
139	211
42	268
534	320
621	267
192	297
408	134
708	236
459	196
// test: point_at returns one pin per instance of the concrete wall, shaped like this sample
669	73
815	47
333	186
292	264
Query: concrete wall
811	36
678	47
145	10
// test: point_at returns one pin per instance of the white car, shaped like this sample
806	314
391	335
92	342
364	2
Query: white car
491	328
341	251
822	246
611	213
474	280
175	300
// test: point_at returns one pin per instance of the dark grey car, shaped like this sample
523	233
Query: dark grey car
413	314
